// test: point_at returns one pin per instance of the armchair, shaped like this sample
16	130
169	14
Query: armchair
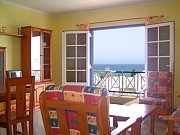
159	92
173	122
72	109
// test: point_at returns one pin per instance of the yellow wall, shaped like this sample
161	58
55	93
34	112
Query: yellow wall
170	10
14	17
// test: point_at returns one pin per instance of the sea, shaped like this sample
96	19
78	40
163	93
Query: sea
120	67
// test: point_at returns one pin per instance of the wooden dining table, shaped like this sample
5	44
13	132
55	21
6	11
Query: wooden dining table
123	112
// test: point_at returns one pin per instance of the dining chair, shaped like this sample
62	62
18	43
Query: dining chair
159	91
73	109
19	105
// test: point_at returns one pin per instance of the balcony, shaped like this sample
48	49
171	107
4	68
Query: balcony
119	81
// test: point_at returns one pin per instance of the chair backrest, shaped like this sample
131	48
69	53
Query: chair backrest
159	82
20	99
75	109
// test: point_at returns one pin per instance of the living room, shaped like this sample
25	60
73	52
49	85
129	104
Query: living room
14	17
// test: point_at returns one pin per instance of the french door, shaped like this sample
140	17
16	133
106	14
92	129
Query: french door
76	53
160	47
75	58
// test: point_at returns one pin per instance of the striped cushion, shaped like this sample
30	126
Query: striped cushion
74	93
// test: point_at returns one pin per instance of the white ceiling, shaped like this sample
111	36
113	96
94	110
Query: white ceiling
63	7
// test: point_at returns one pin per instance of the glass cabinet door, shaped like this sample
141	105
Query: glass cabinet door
35	54
46	55
2	69
40	55
75	57
160	47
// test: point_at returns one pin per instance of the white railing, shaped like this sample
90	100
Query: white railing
119	81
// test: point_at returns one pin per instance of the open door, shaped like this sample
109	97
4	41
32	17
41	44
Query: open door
75	58
160	47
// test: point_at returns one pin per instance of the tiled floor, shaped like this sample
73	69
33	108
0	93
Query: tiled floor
160	126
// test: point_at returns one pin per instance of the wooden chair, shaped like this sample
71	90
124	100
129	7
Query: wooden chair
79	110
159	92
173	122
19	92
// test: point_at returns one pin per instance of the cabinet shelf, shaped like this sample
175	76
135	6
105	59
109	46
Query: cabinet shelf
10	34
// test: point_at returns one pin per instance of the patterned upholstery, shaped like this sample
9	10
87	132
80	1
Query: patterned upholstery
74	93
159	84
177	124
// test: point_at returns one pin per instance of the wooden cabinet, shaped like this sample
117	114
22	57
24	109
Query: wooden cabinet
39	87
2	68
36	53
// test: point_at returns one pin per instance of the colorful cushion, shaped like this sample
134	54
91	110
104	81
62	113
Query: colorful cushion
74	93
176	124
159	82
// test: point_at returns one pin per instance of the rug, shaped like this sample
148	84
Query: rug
120	99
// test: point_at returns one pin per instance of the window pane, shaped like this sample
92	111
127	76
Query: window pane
152	64
81	64
152	49
164	64
81	76
81	39
81	51
164	33
164	48
70	64
70	51
70	76
152	34
70	39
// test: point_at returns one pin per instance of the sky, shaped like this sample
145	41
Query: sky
119	46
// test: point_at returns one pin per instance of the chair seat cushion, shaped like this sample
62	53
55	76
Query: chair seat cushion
159	102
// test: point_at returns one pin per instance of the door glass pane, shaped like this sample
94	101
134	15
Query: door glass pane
164	48
164	64
46	71
46	39
152	64
46	55
81	76
81	64
152	34
70	76
35	55
70	51
164	33
1	71
81	51
152	49
81	39
70	39
46	52
70	64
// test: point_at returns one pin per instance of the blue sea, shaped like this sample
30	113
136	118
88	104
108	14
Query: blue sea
120	67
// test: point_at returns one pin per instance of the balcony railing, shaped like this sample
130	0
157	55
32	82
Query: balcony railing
119	81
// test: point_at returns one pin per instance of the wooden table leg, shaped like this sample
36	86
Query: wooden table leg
152	121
